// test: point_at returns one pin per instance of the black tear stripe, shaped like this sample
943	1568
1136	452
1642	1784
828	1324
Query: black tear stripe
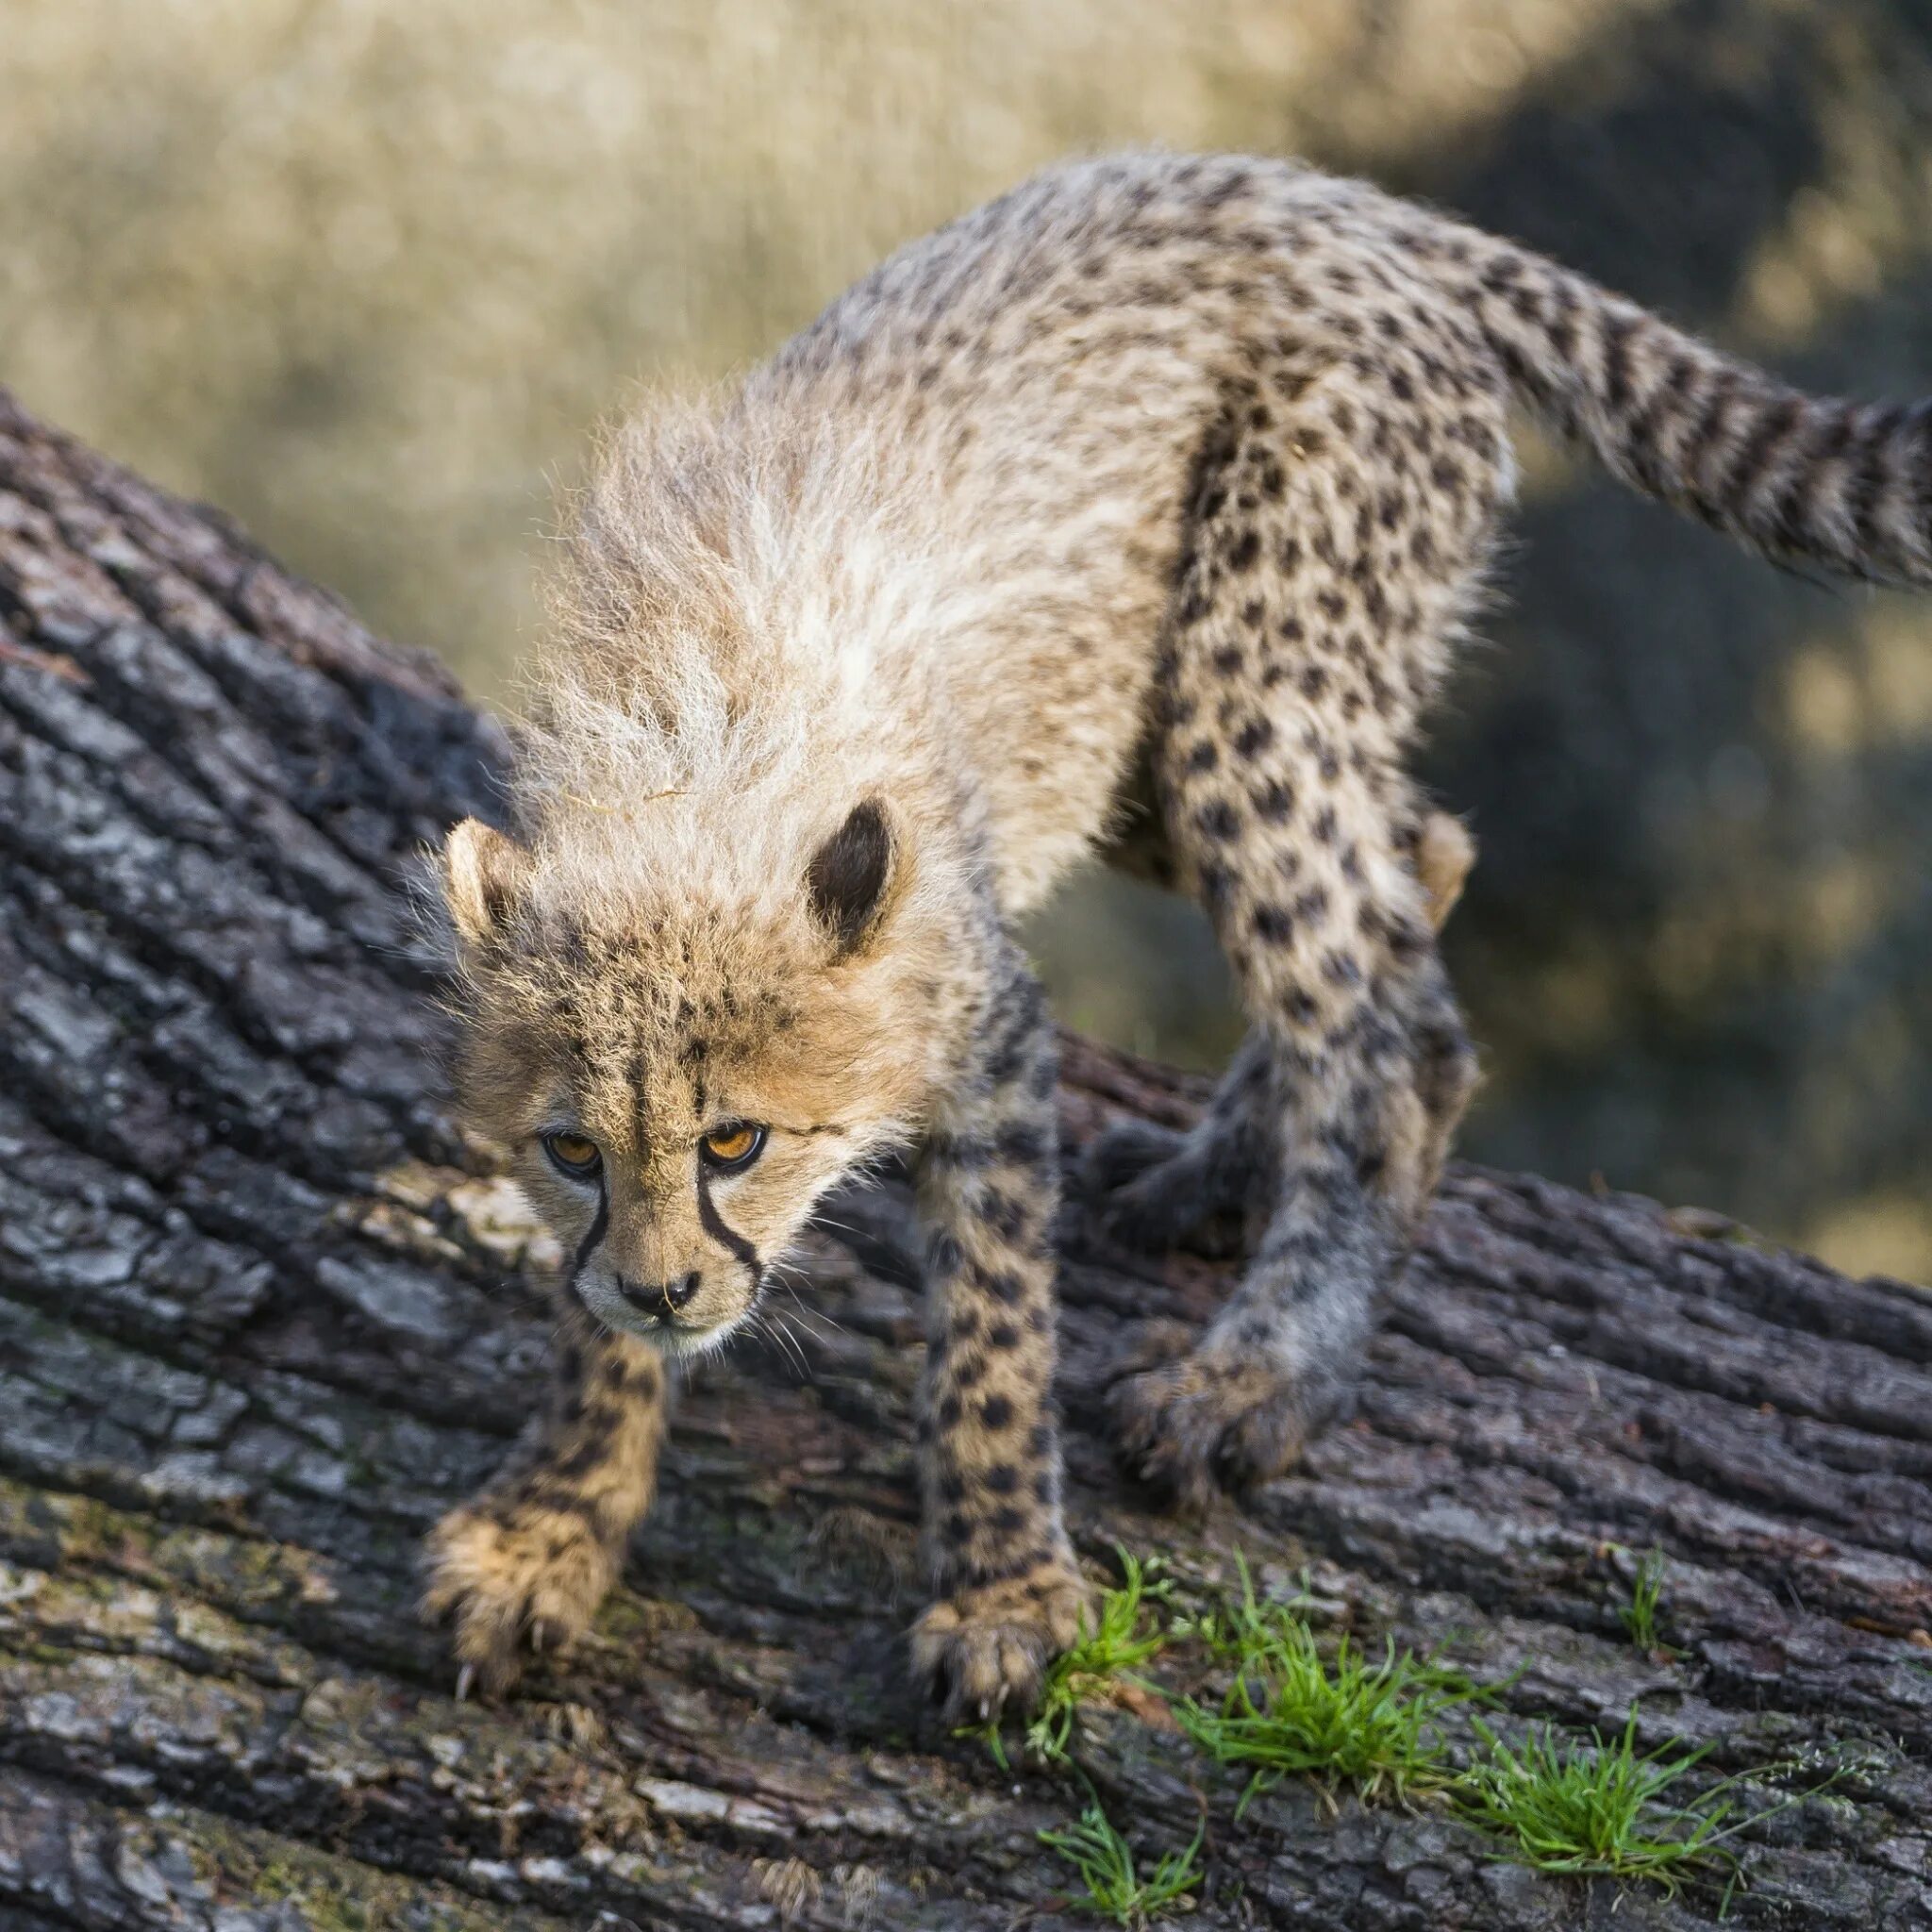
587	1246
714	1225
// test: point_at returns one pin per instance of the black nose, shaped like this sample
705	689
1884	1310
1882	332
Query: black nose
664	1300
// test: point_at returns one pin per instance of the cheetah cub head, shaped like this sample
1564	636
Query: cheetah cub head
683	1047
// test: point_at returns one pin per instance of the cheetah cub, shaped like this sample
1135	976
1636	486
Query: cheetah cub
1159	476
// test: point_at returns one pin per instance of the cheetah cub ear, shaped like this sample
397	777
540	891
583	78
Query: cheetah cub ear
481	872
852	877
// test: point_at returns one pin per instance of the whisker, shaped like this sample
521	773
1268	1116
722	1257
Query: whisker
864	1234
808	1314
786	1274
786	1343
779	1326
762	1310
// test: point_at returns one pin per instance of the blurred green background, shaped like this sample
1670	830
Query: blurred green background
363	274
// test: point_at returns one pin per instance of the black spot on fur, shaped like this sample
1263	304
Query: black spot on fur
1217	821
1004	1286
581	1461
1273	802
1005	1215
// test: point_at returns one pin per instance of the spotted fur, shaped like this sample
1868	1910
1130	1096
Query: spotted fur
1144	507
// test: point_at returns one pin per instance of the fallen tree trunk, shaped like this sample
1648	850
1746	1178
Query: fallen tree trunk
263	1316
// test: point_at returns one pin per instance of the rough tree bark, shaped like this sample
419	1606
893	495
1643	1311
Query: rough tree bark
263	1316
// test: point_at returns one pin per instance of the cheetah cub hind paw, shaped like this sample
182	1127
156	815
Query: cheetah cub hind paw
1151	1189
985	1649
510	1591
1192	1421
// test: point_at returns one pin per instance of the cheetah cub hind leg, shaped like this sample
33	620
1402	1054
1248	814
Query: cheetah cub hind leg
1302	649
1209	1190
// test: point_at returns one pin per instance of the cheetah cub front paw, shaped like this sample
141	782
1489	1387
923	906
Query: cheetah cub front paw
509	1588
982	1649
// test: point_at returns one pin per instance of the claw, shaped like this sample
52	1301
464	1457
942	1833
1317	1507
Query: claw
466	1677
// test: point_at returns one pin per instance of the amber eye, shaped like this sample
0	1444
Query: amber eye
730	1148
572	1154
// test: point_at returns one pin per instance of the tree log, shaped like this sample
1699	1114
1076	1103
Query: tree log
264	1314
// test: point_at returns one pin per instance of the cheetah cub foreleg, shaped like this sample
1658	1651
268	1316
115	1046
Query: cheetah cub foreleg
525	1565
1009	1594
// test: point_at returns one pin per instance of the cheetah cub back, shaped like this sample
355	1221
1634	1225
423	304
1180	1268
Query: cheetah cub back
1183	468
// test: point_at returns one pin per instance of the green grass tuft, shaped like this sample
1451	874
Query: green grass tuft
1601	1809
1105	1864
1112	1644
1239	1627
1639	1616
1594	1808
1373	1726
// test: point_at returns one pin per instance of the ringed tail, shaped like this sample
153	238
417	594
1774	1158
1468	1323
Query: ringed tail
1843	484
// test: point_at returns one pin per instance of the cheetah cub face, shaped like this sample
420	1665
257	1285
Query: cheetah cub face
679	1076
